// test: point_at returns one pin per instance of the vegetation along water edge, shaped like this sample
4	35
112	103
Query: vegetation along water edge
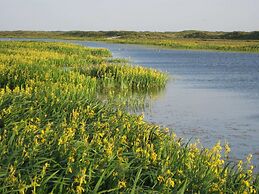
198	40
65	130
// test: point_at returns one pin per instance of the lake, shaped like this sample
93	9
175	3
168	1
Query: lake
211	95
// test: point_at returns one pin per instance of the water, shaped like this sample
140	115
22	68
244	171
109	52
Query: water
212	95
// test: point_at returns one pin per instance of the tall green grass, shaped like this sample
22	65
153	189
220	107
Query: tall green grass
59	137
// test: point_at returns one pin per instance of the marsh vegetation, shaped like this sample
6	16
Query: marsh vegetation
61	136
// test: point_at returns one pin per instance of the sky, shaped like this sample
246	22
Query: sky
136	15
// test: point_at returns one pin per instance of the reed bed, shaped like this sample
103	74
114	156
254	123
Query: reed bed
135	77
58	137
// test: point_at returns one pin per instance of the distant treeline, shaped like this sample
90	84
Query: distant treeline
192	34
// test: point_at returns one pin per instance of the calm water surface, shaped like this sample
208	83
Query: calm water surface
212	95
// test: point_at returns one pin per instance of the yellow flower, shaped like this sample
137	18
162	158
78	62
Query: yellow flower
249	158
170	182
227	149
252	190
153	156
240	165
109	149
180	172
168	172
217	147
214	187
69	169
124	139
160	179
114	174
246	183
79	189
122	184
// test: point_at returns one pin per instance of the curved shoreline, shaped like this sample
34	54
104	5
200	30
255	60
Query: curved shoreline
106	148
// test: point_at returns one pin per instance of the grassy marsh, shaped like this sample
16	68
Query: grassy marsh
59	137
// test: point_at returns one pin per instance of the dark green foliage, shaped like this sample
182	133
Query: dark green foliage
1	123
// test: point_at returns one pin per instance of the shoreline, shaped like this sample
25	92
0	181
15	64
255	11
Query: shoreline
154	45
91	139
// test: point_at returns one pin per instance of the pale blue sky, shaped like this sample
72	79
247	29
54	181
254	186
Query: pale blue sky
150	15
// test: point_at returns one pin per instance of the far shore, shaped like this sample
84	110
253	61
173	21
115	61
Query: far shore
190	40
